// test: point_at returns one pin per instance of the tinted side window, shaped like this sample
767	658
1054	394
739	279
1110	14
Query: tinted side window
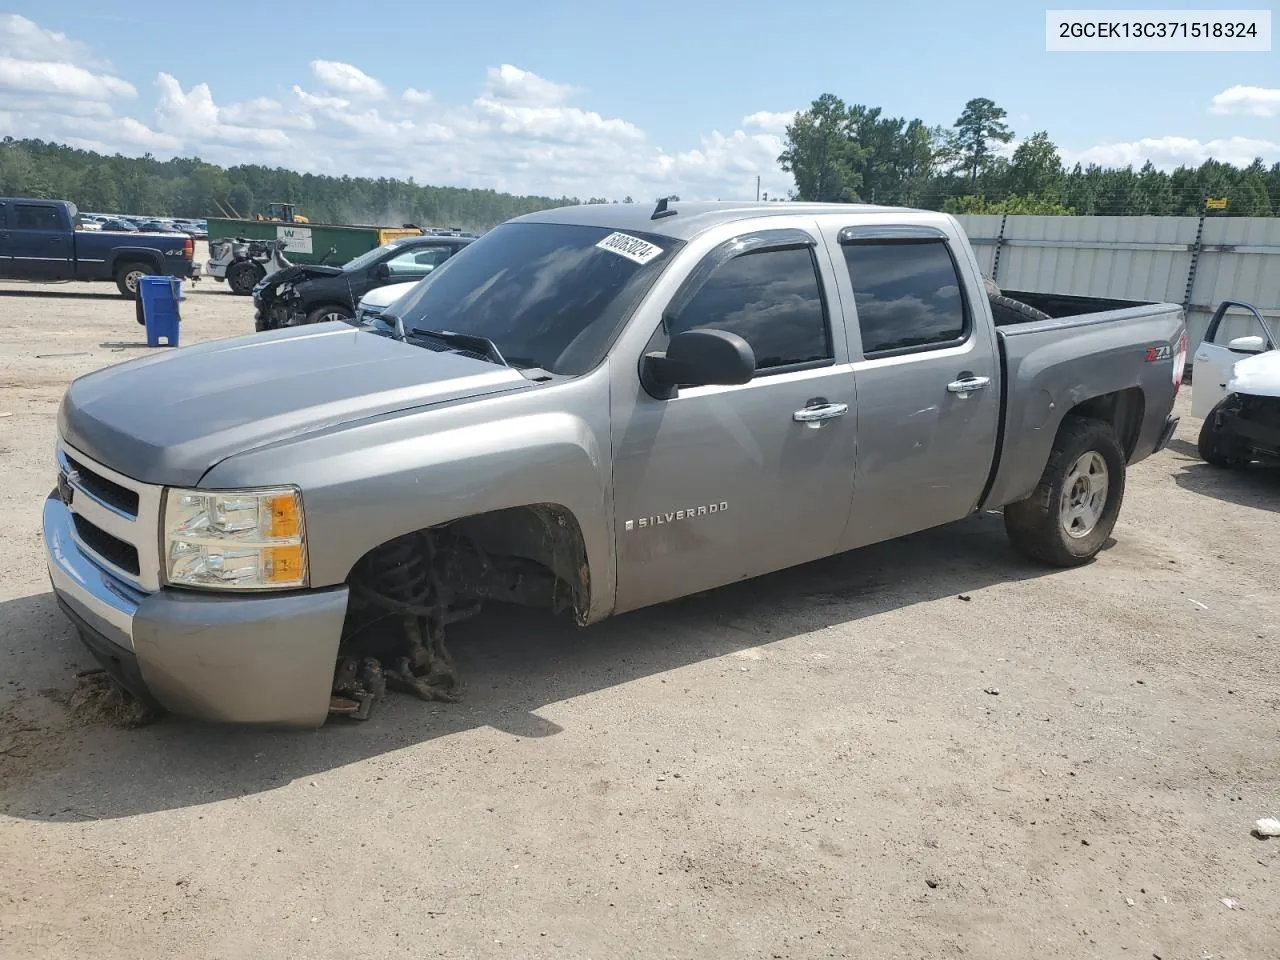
906	294
418	262
30	217
772	299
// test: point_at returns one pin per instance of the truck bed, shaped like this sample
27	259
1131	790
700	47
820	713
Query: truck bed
1091	347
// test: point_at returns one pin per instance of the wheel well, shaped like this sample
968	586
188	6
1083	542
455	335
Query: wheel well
1123	409
403	594
493	556
140	259
323	304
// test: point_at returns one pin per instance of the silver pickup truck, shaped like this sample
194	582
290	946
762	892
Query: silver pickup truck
587	410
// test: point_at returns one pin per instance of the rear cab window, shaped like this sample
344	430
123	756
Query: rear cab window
907	293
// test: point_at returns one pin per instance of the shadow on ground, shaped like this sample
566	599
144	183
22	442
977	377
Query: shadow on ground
62	294
512	662
1254	486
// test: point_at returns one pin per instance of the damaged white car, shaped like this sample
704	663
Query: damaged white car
1236	389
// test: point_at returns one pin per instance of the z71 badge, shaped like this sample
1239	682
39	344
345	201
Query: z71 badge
688	513
1161	352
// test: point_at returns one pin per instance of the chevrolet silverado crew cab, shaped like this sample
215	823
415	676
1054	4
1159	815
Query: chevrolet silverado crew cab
39	241
589	410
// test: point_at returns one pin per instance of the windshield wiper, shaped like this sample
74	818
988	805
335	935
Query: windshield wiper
465	340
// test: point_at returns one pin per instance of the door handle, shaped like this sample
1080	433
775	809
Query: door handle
819	412
967	384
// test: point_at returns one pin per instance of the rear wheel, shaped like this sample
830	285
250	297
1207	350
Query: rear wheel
243	276
329	313
1214	448
127	277
1074	508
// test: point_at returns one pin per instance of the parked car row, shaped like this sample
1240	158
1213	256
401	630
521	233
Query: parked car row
119	223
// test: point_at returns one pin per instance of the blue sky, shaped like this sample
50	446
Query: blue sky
600	98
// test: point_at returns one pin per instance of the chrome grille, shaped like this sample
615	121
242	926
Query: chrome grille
116	519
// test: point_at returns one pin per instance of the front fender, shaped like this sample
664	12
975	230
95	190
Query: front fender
365	484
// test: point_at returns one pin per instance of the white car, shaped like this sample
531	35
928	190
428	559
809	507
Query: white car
1236	389
378	299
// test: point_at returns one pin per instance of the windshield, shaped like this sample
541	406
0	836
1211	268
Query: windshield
366	258
548	295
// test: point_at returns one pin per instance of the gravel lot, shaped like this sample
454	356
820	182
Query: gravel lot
925	748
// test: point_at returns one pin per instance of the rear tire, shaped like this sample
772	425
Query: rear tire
127	277
1215	449
1006	310
243	276
1074	508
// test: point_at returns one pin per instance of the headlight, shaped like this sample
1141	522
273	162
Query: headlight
235	539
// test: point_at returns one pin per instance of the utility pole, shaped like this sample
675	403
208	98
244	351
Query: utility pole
757	186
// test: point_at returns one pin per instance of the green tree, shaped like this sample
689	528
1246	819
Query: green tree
98	190
1154	193
820	153
981	124
1013	205
1036	169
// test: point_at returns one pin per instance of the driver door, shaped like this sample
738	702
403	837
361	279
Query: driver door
1226	341
720	483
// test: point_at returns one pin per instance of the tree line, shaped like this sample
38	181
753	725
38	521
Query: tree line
833	150
190	187
851	152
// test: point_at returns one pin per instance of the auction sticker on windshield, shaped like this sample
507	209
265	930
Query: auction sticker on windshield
633	248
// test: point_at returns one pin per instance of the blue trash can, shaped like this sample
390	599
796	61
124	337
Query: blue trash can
159	297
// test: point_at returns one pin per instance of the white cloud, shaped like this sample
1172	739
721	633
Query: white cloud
1250	101
769	120
319	101
1167	153
344	78
194	115
23	39
416	96
511	84
46	76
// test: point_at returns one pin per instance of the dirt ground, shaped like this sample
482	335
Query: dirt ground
928	748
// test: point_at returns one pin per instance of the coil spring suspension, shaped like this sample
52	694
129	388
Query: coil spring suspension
399	581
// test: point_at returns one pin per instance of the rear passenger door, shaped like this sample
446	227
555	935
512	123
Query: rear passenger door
928	380
39	243
720	482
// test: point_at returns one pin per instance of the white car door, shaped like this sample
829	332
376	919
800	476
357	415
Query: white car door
1219	352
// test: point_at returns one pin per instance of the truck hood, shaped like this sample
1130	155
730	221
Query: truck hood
168	419
1257	376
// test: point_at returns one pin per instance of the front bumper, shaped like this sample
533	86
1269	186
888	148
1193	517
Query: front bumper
260	659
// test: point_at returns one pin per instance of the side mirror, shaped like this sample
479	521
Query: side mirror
1253	344
382	271
697	358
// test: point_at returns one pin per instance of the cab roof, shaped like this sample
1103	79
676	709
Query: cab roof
686	219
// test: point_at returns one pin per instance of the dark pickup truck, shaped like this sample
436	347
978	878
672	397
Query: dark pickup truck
39	241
